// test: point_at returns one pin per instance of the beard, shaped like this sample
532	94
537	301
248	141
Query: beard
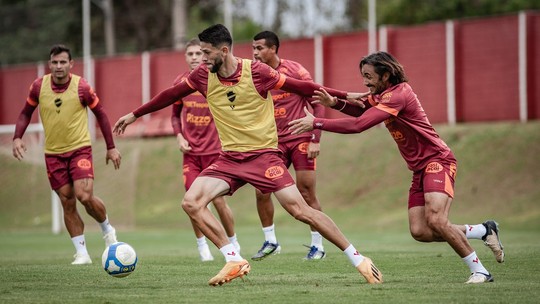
216	66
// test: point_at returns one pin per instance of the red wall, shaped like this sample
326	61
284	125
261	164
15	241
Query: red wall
487	69
422	52
486	52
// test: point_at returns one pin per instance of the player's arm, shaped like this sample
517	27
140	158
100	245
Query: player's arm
176	123
371	117
160	101
19	148
305	88
90	98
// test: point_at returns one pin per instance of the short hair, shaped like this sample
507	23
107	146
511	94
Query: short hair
193	42
59	48
271	39
216	35
384	62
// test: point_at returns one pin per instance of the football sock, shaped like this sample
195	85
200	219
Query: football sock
270	234
233	238
354	256
475	231
230	253
474	263
316	240
201	242
80	244
106	226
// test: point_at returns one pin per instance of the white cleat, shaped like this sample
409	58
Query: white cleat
110	238
478	278
81	259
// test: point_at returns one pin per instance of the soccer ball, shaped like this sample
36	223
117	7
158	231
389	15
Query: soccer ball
119	260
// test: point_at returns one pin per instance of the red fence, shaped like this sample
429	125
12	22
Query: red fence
487	71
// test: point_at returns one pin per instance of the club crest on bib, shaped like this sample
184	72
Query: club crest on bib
231	96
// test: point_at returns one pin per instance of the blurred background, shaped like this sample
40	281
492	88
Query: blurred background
474	65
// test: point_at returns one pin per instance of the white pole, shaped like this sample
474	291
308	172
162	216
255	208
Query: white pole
57	214
88	62
372	27
319	65
522	49
145	71
227	15
450	74
383	38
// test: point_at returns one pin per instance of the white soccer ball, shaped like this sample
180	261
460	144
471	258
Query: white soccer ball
119	260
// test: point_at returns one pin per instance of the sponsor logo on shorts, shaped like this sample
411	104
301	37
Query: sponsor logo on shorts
274	172
434	167
84	164
303	147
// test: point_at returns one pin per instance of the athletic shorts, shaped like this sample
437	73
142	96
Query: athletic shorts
438	176
64	168
295	152
194	165
263	169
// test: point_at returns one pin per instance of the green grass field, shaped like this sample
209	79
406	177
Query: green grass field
362	184
35	269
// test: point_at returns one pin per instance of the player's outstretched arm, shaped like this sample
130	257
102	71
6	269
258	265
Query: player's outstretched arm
303	124
122	123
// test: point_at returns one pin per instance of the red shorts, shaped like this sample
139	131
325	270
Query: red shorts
64	168
295	153
438	176
194	165
263	169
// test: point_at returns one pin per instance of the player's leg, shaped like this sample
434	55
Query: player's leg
191	168
94	206
293	202
265	209
203	190
74	224
227	219
306	182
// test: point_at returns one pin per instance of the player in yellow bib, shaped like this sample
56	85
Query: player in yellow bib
237	91
63	99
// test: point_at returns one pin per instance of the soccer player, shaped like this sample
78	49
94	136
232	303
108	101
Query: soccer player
237	92
392	100
63	99
198	140
299	150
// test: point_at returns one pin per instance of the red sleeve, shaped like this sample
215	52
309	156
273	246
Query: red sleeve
104	125
176	121
164	99
370	118
87	95
318	111
24	120
306	88
350	109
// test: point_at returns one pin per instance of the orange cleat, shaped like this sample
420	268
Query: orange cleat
229	272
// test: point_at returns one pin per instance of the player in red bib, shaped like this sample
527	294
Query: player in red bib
391	100
237	92
198	140
299	150
63	99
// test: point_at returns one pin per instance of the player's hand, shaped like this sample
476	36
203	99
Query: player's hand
183	144
322	97
122	123
19	148
114	156
313	150
303	124
357	98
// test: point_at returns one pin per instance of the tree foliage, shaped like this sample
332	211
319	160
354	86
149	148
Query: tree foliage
29	27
